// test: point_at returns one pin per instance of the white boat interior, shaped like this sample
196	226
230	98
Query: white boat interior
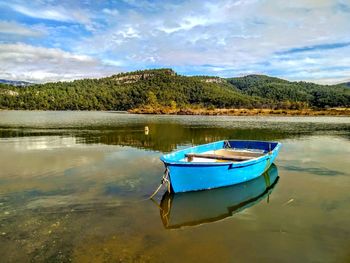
224	155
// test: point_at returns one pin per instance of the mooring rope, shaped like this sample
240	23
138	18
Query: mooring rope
165	180
268	161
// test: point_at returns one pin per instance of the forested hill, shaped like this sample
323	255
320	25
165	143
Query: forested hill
279	90
164	88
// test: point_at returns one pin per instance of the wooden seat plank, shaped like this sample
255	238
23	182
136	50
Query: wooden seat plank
218	157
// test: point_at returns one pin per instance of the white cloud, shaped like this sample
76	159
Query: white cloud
112	12
224	32
111	62
47	13
13	28
39	64
128	32
186	24
71	13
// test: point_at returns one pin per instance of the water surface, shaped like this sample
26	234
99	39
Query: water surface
73	187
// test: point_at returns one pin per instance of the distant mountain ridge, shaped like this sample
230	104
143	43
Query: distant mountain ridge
159	88
283	92
17	83
346	84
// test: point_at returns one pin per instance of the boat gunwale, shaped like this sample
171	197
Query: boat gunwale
168	161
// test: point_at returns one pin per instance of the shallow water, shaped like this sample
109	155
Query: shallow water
73	187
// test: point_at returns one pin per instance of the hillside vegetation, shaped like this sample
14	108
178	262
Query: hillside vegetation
282	92
164	88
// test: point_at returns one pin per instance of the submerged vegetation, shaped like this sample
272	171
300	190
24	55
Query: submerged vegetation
151	90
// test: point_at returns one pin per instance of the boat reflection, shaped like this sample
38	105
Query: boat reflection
195	208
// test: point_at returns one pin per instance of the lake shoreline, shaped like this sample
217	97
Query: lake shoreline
243	112
339	112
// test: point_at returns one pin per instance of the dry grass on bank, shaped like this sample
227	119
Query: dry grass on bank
243	112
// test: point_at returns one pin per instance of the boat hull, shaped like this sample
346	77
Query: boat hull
188	176
195	208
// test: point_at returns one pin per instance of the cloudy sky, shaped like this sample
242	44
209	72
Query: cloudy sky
47	40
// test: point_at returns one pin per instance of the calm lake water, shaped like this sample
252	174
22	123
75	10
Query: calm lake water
73	187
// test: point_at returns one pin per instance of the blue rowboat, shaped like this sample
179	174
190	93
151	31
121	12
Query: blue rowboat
196	208
218	164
